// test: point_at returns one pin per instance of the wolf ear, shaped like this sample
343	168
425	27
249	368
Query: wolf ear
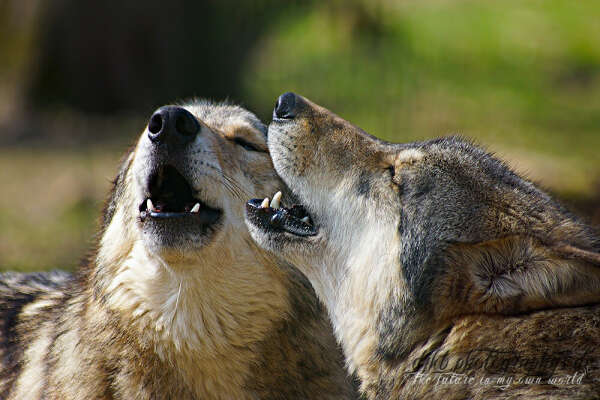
515	274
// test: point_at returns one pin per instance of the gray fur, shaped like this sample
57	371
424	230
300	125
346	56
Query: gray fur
447	255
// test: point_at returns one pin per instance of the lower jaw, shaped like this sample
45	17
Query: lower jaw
179	232
280	220
203	217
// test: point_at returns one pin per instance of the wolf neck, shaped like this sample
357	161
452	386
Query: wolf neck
199	318
198	306
355	290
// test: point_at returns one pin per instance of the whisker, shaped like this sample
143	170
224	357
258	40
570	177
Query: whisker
230	183
238	186
232	188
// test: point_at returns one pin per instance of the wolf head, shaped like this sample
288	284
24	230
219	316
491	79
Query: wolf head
413	235
174	253
180	189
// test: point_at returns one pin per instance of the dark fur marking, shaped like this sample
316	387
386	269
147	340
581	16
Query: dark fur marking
16	291
364	184
116	192
10	346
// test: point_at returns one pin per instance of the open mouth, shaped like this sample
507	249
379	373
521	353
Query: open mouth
170	196
270	216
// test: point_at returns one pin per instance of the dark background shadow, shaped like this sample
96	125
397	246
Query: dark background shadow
107	57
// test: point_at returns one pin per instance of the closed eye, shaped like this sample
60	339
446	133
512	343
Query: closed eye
392	171
247	145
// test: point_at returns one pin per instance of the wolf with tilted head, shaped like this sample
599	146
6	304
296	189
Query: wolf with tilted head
177	302
446	275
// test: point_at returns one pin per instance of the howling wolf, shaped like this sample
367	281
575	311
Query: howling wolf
445	274
177	302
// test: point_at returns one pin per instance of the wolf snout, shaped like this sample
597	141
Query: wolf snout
286	106
172	124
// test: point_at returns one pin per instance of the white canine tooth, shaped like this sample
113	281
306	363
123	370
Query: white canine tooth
305	219
276	200
196	208
265	203
149	205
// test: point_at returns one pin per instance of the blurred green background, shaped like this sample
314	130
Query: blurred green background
79	79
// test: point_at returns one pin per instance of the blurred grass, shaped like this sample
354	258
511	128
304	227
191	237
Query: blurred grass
515	75
48	215
521	78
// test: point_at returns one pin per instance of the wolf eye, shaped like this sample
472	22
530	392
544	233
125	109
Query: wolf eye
247	145
392	171
393	177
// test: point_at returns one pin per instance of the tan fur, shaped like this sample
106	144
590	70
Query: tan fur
436	252
215	319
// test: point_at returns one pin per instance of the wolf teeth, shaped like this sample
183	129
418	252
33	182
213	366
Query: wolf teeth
149	205
305	220
265	203
276	200
196	208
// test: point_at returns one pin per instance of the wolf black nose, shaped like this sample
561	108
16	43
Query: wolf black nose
286	106
172	123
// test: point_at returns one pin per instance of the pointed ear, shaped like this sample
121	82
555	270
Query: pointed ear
515	274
